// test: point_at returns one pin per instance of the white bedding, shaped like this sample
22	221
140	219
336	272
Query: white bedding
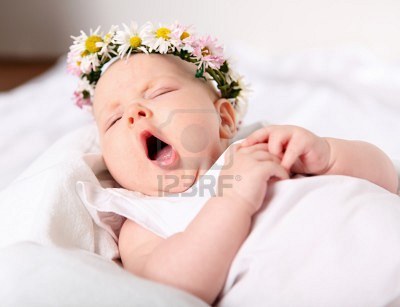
345	94
320	241
35	275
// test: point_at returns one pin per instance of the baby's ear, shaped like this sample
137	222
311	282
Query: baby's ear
227	128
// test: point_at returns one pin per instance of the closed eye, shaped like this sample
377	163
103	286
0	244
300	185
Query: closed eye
113	122
162	91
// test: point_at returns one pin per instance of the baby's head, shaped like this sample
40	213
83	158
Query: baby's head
160	126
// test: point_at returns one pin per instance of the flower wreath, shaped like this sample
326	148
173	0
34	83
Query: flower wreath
88	55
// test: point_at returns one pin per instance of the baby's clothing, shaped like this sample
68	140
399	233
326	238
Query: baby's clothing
164	215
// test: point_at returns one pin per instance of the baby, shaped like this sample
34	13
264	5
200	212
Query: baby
161	129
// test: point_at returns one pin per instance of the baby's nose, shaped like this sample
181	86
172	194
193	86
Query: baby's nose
137	111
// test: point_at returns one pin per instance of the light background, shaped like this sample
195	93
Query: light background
41	28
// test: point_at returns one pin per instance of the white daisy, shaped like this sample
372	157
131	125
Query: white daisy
158	39
84	85
89	52
241	101
182	37
129	39
84	44
106	45
90	63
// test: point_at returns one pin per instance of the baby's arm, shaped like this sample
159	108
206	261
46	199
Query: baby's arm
363	160
303	152
198	259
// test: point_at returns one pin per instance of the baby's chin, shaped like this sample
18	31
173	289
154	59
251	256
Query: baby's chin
164	185
174	184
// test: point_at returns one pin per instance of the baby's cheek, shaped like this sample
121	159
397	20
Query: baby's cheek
124	166
121	174
194	138
114	162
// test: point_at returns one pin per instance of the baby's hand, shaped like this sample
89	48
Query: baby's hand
300	150
249	169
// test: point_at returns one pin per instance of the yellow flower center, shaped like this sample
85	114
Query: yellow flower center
90	43
184	35
163	32
107	37
135	41
205	51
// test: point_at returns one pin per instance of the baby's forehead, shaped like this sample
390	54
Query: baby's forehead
148	67
142	70
139	72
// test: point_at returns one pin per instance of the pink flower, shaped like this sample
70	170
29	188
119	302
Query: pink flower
84	93
182	36
89	63
208	52
73	60
80	101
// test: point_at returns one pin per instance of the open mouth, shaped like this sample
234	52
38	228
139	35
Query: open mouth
155	147
159	151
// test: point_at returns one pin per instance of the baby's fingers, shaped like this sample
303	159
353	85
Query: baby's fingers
258	136
292	153
274	170
253	148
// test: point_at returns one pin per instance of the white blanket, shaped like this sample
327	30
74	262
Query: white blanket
320	241
42	206
35	275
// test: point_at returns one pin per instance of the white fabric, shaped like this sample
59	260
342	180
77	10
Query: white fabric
320	241
35	275
164	216
42	206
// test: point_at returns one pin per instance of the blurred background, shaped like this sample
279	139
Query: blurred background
34	33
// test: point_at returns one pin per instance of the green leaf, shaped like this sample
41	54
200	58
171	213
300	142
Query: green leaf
93	76
224	67
223	87
183	54
86	94
234	93
200	72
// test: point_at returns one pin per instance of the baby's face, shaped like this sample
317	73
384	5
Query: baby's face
160	127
